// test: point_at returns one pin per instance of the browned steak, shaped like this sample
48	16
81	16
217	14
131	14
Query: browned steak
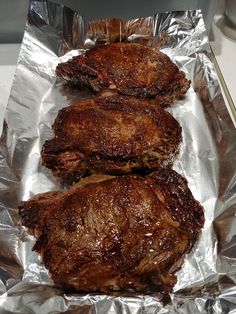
131	69
116	233
112	135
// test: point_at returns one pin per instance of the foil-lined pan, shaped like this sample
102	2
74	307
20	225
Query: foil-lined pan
207	159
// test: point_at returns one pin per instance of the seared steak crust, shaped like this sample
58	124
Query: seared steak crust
116	233
112	135
131	69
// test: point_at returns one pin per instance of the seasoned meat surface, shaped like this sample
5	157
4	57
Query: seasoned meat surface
112	135
116	233
131	69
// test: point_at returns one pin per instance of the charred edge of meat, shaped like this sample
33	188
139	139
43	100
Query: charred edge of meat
177	187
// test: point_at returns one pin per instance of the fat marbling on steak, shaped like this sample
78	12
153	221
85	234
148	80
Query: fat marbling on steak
131	69
116	233
111	135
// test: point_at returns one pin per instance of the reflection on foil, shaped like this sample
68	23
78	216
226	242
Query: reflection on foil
54	33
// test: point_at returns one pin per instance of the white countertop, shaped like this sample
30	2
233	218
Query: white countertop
8	59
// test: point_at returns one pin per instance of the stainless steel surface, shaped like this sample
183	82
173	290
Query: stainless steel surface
230	11
137	8
13	13
12	20
206	282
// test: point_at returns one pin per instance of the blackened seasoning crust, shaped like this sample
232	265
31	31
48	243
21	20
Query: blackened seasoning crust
131	69
111	135
116	233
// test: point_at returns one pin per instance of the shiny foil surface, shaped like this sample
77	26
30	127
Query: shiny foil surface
207	159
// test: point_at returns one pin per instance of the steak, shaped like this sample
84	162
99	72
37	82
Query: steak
116	233
111	135
131	69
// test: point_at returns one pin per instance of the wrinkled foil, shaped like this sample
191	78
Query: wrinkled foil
207	159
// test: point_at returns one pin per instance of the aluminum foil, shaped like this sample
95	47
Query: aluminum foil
206	281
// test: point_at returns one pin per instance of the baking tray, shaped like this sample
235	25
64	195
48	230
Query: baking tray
207	159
